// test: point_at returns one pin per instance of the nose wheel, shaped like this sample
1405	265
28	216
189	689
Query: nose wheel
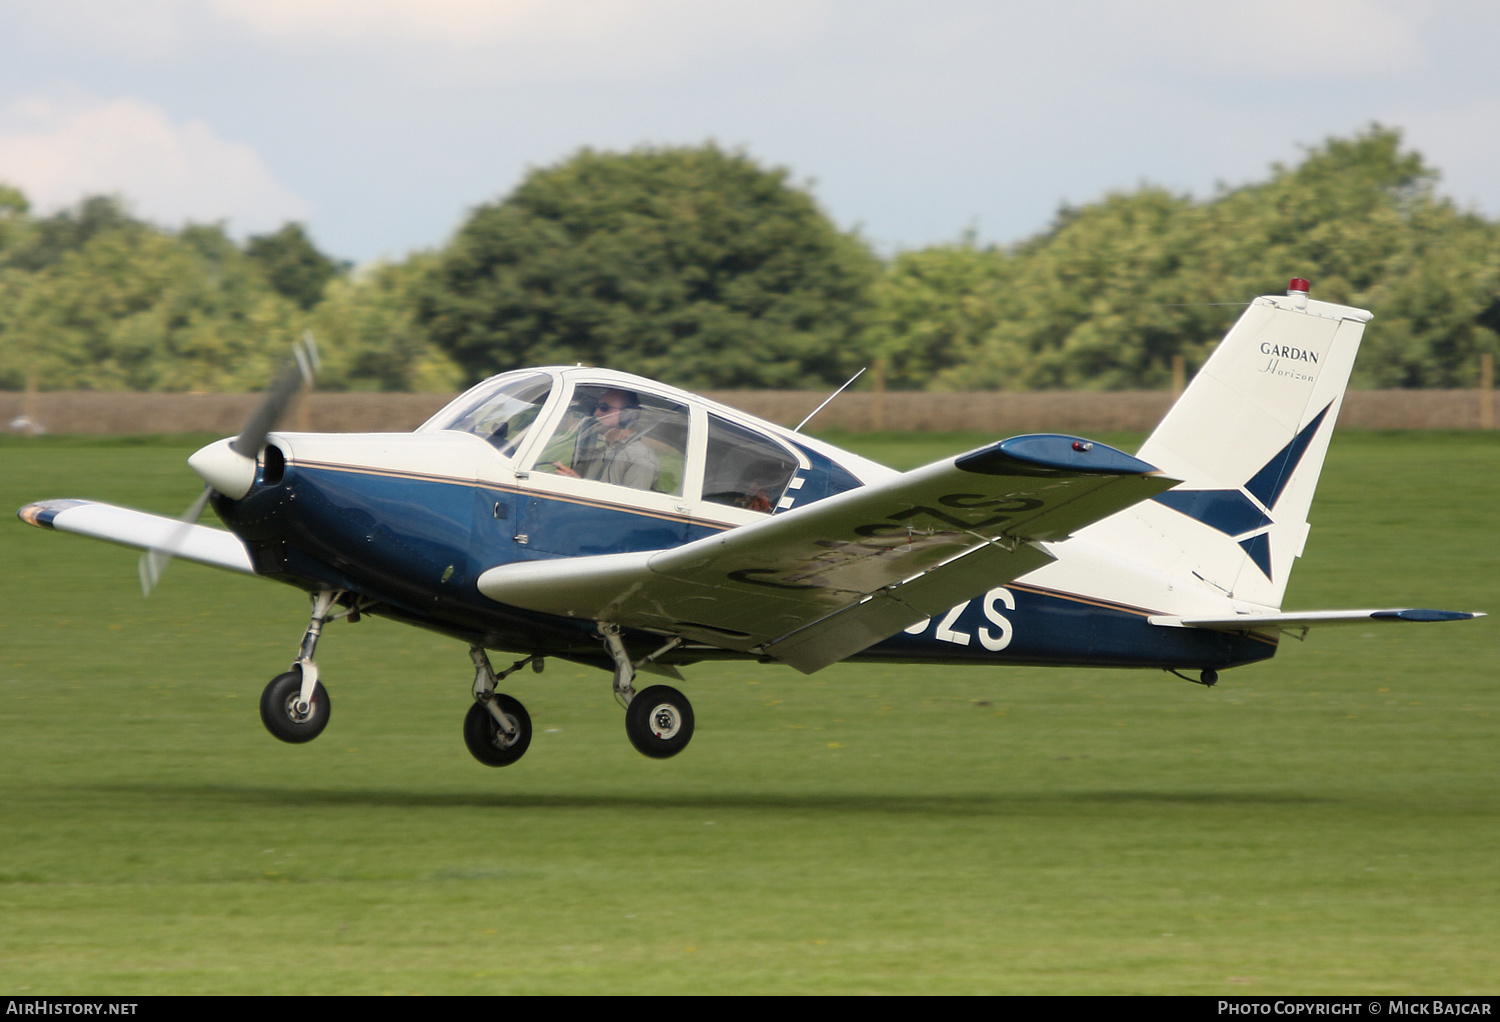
285	713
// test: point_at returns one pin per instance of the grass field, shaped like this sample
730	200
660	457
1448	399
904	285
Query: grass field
1325	822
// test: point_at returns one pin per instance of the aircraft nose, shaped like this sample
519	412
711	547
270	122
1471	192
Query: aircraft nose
224	468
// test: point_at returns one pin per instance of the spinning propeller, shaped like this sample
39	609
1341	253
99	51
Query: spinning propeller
228	466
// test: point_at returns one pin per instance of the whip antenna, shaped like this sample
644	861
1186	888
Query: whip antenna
830	397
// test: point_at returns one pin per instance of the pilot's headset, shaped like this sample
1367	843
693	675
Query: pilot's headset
631	413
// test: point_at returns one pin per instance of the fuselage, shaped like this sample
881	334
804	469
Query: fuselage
407	523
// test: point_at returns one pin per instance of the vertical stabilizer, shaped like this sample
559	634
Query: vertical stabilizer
1247	438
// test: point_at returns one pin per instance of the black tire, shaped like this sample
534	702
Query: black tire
487	743
278	709
659	721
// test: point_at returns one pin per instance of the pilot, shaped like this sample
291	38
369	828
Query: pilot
610	447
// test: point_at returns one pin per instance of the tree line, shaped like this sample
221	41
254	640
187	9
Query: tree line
699	267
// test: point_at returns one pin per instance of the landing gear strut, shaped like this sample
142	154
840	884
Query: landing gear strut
294	706
659	719
497	728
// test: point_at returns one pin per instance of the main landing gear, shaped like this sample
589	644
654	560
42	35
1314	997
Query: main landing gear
497	728
659	719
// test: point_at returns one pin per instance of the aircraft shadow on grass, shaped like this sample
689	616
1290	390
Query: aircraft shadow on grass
293	796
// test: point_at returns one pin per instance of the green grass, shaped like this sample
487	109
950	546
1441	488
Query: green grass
1325	822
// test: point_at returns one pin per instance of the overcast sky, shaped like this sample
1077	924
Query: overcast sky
380	123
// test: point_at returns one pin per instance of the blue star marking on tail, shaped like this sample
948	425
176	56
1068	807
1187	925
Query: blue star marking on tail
1245	513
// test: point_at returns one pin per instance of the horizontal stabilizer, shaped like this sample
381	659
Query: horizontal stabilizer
1300	621
214	547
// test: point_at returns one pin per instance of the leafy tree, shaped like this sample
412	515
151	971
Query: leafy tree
13	221
934	309
12	201
293	264
692	265
368	336
136	308
50	239
93	299
1115	288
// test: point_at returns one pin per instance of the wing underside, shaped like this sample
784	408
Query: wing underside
818	584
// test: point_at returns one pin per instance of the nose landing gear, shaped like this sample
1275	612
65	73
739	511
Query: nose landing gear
294	706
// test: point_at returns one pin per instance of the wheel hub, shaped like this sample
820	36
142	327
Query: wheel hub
665	721
503	740
297	711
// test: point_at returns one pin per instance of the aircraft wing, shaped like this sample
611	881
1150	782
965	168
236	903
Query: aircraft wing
819	583
214	547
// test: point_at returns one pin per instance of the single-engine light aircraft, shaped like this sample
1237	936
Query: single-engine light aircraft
614	521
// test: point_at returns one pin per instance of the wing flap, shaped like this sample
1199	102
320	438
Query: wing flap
819	583
128	527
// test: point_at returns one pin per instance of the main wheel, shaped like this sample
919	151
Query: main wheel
278	709
487	743
659	721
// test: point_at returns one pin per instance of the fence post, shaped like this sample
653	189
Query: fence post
1179	376
28	410
1486	391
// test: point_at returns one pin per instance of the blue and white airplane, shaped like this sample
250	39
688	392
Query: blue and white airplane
610	520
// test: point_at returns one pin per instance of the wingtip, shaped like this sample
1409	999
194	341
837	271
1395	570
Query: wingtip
1046	454
42	512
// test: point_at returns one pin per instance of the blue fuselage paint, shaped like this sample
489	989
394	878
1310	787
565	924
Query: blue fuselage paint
1022	624
417	544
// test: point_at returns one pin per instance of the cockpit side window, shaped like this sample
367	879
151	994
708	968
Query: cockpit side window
744	469
500	411
622	437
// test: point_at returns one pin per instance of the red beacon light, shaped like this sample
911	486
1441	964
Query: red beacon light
1298	286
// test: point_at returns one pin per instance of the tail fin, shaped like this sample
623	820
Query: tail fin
1248	438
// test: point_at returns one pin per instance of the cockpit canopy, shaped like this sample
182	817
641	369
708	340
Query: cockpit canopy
625	431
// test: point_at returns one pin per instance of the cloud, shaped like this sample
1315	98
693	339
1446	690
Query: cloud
58	151
143	29
527	37
1264	39
461	23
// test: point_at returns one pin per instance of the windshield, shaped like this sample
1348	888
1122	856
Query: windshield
499	410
